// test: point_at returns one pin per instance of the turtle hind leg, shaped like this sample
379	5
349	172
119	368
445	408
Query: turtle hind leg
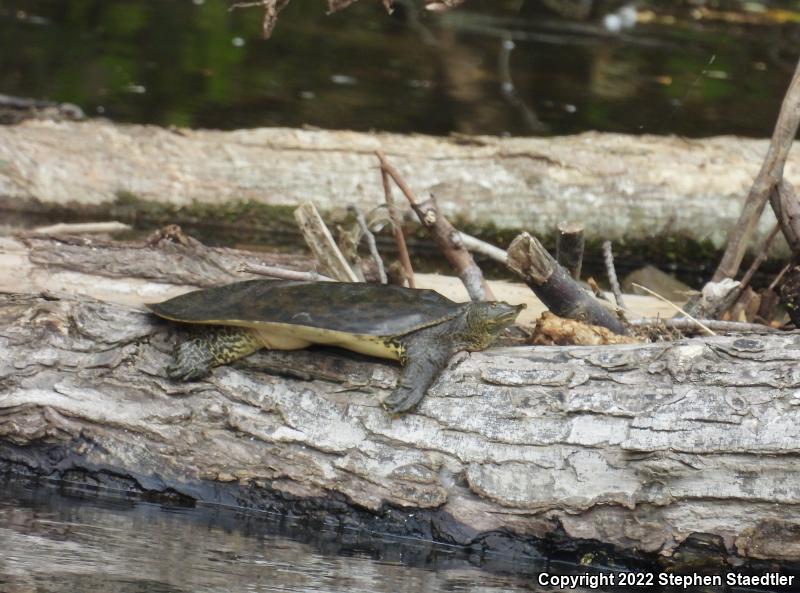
426	355
194	358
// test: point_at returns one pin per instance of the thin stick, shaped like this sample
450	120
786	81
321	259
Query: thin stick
320	241
447	238
111	226
283	273
611	272
386	167
760	258
768	177
477	246
272	9
780	276
370	238
783	199
721	326
674	306
397	229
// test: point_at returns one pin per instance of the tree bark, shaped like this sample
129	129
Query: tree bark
643	186
636	446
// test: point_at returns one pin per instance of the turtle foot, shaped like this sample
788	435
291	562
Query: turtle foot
191	362
402	400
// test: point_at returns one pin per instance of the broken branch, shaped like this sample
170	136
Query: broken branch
555	287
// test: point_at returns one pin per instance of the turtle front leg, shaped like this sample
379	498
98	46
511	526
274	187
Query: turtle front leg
194	358
426	356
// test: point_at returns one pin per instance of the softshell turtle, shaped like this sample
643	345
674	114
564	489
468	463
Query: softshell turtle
420	328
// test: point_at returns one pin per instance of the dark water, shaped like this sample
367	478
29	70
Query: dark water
80	544
68	539
491	67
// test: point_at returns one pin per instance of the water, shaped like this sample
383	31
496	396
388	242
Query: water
52	543
490	67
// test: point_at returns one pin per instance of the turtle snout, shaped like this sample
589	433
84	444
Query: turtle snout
506	314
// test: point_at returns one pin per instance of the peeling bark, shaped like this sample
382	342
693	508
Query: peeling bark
636	446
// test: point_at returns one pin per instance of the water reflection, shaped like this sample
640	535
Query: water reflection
53	543
499	67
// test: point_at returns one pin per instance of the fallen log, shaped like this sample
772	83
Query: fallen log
648	187
135	273
635	446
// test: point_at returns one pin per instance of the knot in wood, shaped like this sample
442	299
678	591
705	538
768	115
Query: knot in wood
455	239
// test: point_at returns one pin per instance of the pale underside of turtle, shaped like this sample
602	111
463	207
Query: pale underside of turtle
420	328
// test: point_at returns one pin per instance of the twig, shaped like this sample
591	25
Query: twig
271	10
674	306
283	273
111	226
569	247
760	258
611	272
477	246
768	177
397	229
783	200
370	238
720	326
320	241
446	237
780	276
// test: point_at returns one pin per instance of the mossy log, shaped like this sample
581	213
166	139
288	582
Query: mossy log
635	446
643	187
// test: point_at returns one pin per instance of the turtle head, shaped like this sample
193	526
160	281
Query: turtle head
485	319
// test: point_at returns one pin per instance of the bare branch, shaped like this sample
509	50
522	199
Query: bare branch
370	238
555	287
397	229
446	237
768	177
611	272
282	273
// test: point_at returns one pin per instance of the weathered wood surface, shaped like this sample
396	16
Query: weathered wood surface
641	186
635	446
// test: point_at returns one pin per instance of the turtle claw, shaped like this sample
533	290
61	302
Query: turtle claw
402	400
